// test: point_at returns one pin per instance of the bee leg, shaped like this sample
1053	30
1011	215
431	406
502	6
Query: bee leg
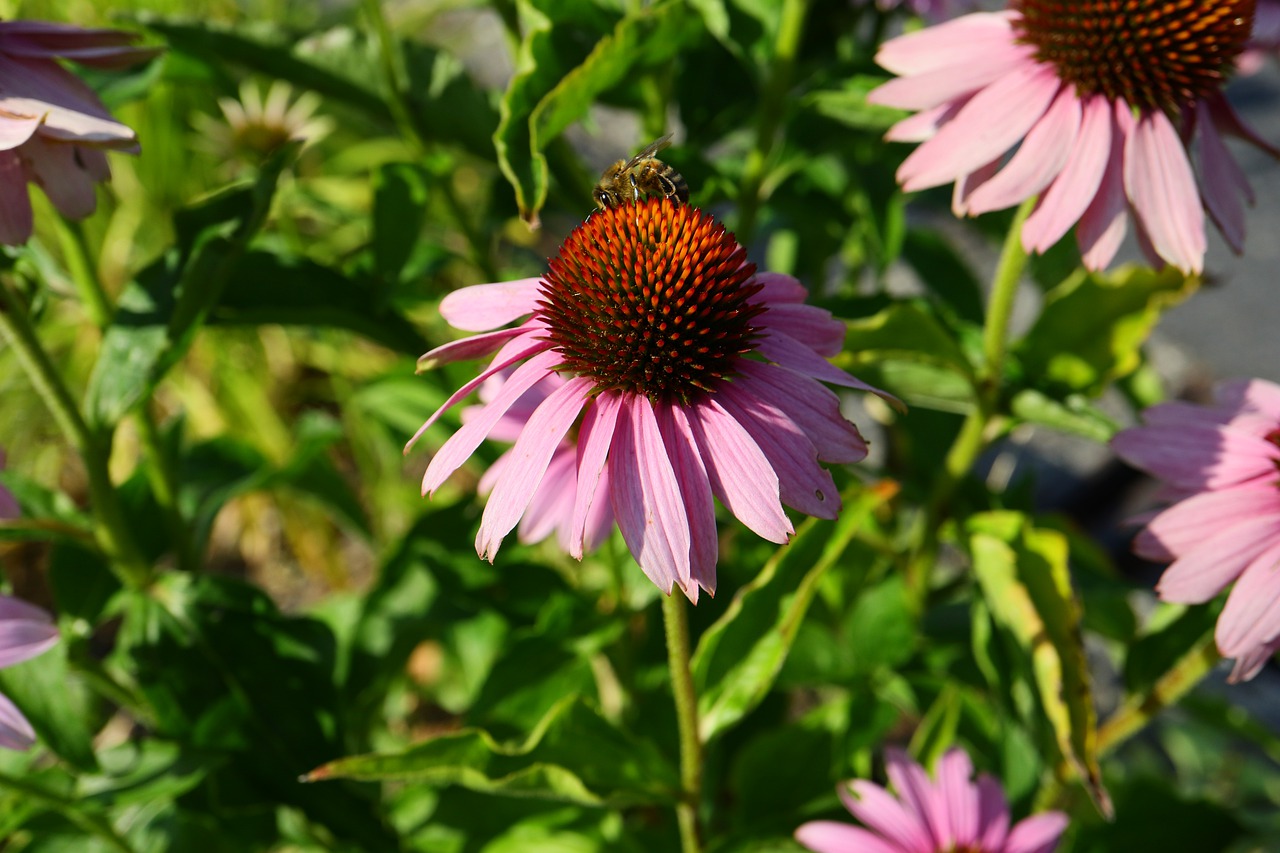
636	192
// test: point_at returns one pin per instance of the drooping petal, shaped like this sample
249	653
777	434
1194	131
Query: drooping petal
988	126
1103	224
993	814
464	442
1205	570
785	351
814	327
969	183
1039	159
56	168
924	124
1222	182
529	460
914	788
482	307
16	129
1250	663
16	220
25	631
812	404
646	497
959	798
552	504
1251	617
740	474
955	42
1067	198
15	731
1159	181
595	438
465	349
1257	394
881	811
1195	456
1191	522
1037	834
828	836
695	489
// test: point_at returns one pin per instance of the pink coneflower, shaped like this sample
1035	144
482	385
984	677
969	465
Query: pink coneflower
1101	104
668	371
53	129
25	631
1219	464
949	814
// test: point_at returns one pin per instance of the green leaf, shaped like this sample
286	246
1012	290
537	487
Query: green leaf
557	80
1151	815
46	515
738	658
1074	414
1026	584
574	756
159	313
944	272
399	208
1093	326
848	105
56	704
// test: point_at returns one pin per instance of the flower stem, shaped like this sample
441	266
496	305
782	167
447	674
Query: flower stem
984	417
676	618
80	266
111	530
773	100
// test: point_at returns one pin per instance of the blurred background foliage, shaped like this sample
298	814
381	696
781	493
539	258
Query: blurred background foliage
253	370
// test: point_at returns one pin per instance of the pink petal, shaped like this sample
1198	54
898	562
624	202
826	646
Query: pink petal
776	287
988	126
15	130
528	463
1102	226
828	836
1251	662
785	351
1222	183
1256	394
959	798
810	403
695	488
482	307
16	220
1037	834
475	346
930	89
1251	617
646	497
1039	159
993	814
1229	122
916	791
56	168
740	473
802	482
924	124
1069	195
1192	456
15	731
968	184
464	442
956	42
812	326
1205	570
1189	523
552	505
882	812
25	631
599	424
537	349
1159	182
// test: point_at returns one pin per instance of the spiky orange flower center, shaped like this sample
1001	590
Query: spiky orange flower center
652	297
1156	54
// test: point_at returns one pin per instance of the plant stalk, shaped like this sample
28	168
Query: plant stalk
676	618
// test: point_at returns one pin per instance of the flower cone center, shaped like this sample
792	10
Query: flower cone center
651	297
1156	54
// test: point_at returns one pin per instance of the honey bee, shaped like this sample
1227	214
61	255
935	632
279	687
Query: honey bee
643	176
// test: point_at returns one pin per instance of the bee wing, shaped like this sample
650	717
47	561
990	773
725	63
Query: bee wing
648	151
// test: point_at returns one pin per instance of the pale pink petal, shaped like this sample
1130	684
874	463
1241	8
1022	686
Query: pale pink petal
15	731
1229	122
802	483
552	505
1103	224
476	346
993	814
1256	394
828	836
916	791
55	167
1189	523
464	442
695	489
529	460
16	220
809	403
924	124
599	424
785	351
954	43
1039	159
968	184
599	516
537	349
1037	834
1067	198
959	796
1251	617
740	473
1193	456
776	287
482	307
24	637
989	125
1222	183
934	88
15	130
881	811
1159	182
646	497
1204	571
1250	663
812	326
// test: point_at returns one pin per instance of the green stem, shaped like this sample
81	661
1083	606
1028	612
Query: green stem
163	481
772	103
71	809
81	267
984	419
111	530
675	616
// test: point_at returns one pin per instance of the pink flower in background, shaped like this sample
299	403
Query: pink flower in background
1219	464
664	370
25	631
1094	107
933	10
947	814
53	129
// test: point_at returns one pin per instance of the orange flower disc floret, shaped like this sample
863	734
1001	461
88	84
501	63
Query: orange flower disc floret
652	297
